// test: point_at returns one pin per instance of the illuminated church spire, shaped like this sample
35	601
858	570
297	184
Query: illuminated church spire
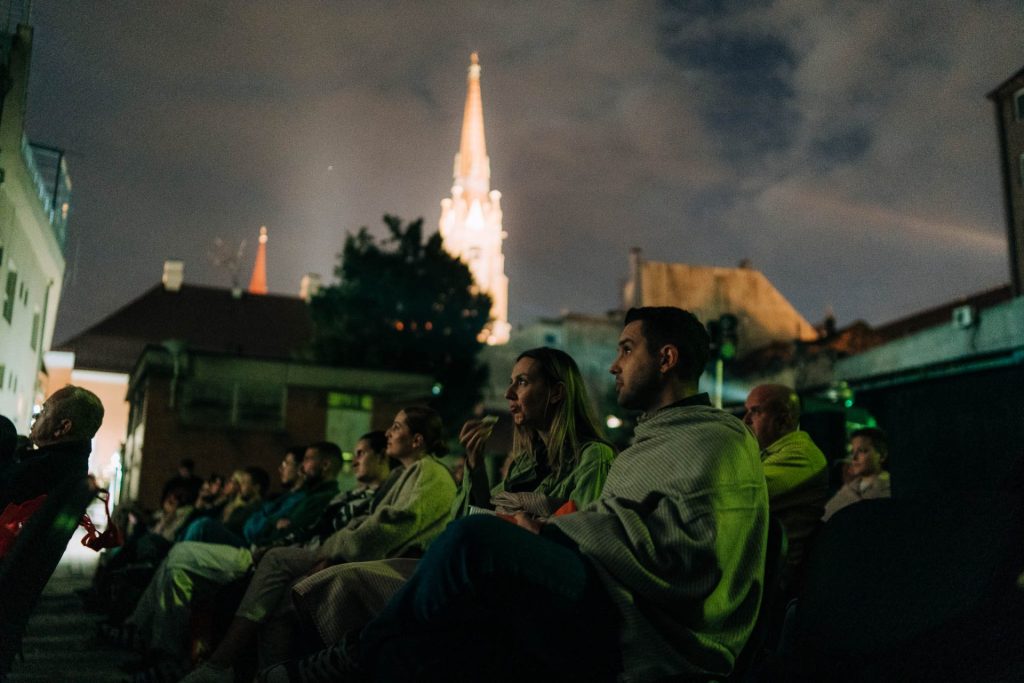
258	283
471	217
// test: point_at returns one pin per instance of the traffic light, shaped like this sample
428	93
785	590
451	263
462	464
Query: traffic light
727	330
723	333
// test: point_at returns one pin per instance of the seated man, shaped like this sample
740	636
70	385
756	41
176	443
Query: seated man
869	453
794	469
161	616
62	434
660	578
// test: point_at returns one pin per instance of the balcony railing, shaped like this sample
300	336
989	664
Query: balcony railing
49	171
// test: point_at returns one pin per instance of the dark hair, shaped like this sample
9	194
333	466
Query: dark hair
327	451
378	441
427	423
82	407
295	451
877	438
8	439
187	463
574	424
259	477
668	325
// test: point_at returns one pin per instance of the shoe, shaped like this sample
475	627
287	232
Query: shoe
337	663
207	673
163	670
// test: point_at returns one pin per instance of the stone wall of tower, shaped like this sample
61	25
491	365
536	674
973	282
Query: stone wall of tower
471	219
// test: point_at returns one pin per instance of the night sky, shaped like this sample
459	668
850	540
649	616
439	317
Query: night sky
846	148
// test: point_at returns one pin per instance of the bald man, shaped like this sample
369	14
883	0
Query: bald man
794	469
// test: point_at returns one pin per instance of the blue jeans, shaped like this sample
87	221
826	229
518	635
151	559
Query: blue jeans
491	601
210	530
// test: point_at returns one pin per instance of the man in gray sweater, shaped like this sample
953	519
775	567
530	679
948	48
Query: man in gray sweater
661	577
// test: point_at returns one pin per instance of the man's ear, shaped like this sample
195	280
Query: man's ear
64	428
668	358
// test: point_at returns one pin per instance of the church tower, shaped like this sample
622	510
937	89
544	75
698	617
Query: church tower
258	283
471	217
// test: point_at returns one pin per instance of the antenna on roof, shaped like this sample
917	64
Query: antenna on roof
228	259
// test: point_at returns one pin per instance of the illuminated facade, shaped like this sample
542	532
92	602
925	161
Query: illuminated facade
471	217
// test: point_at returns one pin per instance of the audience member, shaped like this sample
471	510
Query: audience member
661	576
559	454
794	469
62	434
194	568
185	479
403	520
252	484
869	452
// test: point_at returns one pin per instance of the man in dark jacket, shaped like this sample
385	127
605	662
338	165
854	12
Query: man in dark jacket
62	434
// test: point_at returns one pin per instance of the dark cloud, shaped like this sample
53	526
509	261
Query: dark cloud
847	148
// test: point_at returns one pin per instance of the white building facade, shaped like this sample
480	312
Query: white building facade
34	200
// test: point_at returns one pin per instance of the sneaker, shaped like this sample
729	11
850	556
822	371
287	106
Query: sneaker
337	663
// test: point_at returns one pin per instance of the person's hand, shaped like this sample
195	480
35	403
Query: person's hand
283	523
529	523
474	436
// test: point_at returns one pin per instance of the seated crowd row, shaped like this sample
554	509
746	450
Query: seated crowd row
579	564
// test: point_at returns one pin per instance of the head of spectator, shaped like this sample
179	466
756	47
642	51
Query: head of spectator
548	401
290	469
254	485
186	468
8	440
662	353
771	412
417	431
869	451
370	464
70	414
231	485
321	462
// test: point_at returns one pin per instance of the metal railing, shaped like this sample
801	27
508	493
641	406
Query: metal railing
49	172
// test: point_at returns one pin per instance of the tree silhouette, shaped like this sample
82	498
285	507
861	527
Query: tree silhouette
407	305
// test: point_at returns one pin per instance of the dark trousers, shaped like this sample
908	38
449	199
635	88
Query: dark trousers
491	601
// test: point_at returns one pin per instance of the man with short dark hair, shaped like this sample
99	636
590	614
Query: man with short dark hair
794	469
660	578
62	434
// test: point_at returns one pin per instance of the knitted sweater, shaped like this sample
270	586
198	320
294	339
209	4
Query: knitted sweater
407	518
678	538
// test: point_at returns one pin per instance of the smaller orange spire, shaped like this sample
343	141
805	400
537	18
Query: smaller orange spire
258	283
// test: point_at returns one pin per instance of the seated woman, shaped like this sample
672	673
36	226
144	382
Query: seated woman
559	455
410	511
867	478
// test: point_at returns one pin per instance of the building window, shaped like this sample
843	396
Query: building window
1018	104
235	404
35	331
9	294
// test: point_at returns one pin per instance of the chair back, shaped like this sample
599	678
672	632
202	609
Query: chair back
32	559
888	575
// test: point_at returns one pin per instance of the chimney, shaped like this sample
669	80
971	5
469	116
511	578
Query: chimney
174	273
310	286
631	293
